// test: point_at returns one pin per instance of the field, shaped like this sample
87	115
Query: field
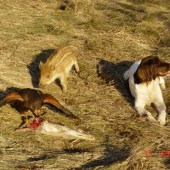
107	36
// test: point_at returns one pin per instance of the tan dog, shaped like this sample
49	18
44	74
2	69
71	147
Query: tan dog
58	66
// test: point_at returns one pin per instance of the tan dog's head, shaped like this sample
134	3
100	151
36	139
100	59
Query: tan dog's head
47	74
150	68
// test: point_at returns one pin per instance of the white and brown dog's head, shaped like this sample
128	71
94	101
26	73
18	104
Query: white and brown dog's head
150	68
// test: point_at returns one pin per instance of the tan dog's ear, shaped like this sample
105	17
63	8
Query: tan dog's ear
41	64
52	67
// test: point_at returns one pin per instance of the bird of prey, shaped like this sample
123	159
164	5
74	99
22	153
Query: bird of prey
33	100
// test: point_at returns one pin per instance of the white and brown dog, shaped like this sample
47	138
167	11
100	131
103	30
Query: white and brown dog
145	78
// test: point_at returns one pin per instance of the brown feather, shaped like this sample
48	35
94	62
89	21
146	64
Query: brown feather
53	101
11	98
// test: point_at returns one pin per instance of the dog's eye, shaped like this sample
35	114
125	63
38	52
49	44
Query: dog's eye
48	76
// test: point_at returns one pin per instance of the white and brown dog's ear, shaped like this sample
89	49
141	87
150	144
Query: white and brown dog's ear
145	71
150	68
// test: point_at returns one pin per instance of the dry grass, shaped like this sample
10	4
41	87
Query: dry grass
107	36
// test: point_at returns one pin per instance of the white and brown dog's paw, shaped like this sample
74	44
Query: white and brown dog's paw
151	119
162	120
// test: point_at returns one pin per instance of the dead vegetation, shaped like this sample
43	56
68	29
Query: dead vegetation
107	36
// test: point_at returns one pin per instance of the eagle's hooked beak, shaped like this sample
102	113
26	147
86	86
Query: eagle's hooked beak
37	112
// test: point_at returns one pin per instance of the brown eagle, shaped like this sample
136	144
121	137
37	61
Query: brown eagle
33	100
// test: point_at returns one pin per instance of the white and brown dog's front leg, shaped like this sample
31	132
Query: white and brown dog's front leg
160	106
162	83
139	106
162	112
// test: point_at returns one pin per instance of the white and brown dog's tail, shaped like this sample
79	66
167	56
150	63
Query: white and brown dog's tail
131	70
126	75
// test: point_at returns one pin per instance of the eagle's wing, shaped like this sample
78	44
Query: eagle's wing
53	101
10	98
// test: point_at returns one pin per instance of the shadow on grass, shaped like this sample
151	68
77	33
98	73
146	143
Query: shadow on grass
111	154
113	75
12	89
34	65
8	90
167	161
34	162
2	94
45	156
54	154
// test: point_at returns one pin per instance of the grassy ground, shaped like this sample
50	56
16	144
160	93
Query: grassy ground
107	36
